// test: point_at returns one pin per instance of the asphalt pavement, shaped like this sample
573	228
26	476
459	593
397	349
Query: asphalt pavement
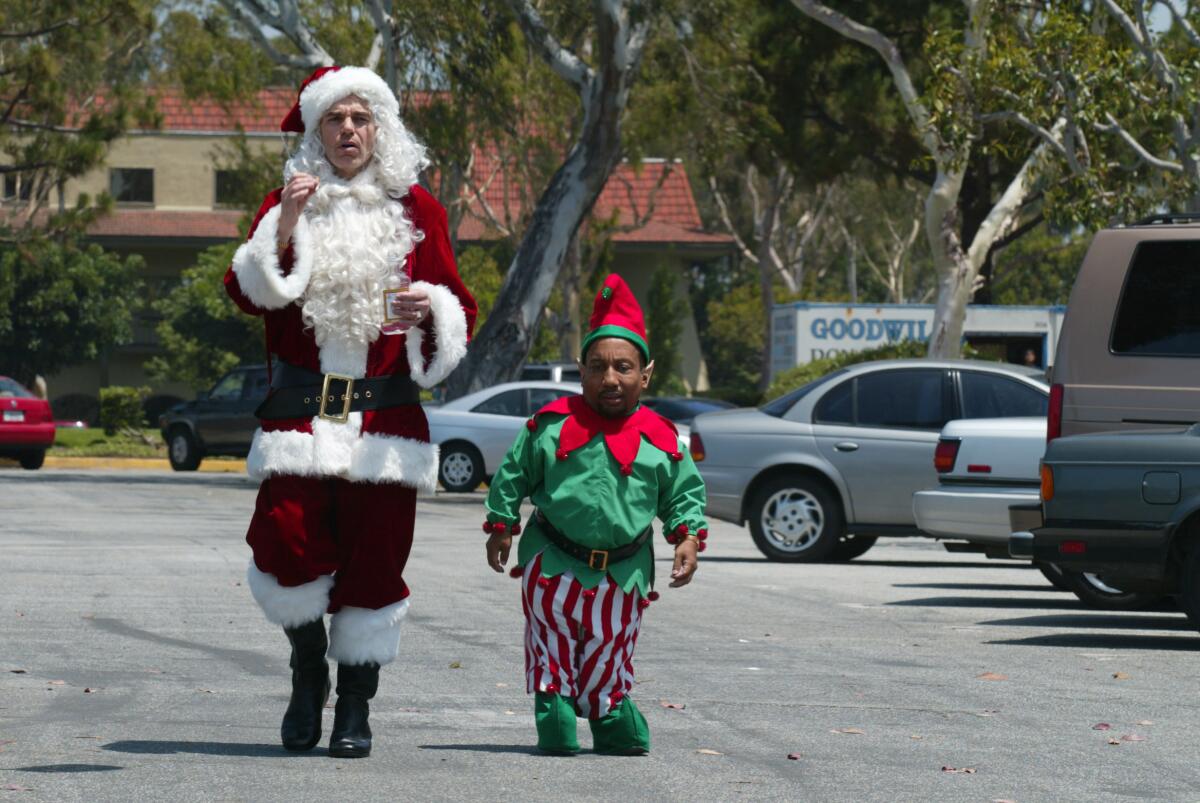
134	665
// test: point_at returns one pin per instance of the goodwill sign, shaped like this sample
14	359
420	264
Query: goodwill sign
803	331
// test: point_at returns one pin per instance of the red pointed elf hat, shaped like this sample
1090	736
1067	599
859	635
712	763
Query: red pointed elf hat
326	86
616	313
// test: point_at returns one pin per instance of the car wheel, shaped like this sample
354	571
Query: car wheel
851	546
461	467
32	460
796	520
1189	600
1054	574
1096	593
182	450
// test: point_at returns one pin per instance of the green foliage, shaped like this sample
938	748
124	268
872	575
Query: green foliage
68	87
802	374
121	408
62	304
664	328
95	443
203	334
482	275
256	171
1039	268
733	343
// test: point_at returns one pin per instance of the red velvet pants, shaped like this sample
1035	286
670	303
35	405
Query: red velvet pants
361	533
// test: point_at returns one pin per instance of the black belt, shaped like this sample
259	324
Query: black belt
597	559
300	393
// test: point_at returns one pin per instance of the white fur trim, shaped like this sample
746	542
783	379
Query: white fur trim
340	355
289	606
449	336
337	450
363	636
331	87
256	264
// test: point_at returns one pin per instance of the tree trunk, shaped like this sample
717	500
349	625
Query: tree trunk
503	343
954	274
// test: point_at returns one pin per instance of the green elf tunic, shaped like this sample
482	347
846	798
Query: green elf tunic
601	482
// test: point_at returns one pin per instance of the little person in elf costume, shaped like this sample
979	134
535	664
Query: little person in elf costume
599	468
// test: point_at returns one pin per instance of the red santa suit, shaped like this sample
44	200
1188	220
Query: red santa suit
334	518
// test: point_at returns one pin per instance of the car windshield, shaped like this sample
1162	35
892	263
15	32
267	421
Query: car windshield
11	387
780	406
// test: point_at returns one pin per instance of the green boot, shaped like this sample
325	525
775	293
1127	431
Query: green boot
555	718
621	732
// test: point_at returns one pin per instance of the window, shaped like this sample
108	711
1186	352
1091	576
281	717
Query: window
228	187
1159	311
540	397
992	396
10	388
17	187
779	407
256	385
131	185
229	388
510	402
836	406
913	399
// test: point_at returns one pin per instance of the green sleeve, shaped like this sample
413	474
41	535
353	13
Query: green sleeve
681	500
519	474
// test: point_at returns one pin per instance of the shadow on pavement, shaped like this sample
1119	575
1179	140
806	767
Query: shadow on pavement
1066	603
133	478
485	748
1107	621
1107	641
69	768
169	748
926	564
978	587
252	662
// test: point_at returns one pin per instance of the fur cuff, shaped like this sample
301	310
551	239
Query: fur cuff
363	636
289	606
449	337
361	458
256	264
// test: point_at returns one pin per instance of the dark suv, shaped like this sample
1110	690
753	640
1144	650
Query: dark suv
218	422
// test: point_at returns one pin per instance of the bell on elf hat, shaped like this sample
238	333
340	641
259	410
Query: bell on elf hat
616	313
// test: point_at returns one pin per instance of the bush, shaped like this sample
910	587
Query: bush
121	408
803	374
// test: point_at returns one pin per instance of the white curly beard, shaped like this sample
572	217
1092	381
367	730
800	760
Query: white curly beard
358	233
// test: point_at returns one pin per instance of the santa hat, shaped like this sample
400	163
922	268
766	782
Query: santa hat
326	86
616	313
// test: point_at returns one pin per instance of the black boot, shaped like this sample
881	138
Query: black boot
301	729
351	735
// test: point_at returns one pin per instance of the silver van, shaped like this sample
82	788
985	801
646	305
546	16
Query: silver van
1129	351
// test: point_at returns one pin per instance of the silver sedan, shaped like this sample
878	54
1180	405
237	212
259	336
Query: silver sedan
823	471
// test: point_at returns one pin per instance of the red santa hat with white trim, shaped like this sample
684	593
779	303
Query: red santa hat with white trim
327	85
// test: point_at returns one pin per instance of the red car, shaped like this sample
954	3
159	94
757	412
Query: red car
26	424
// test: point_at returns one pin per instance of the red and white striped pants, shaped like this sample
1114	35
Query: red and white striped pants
579	642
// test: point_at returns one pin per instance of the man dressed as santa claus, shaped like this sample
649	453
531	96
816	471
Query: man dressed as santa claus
350	266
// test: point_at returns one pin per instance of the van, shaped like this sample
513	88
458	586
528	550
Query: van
1129	351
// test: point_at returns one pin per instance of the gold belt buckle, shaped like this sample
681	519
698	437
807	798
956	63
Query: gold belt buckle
600	555
327	397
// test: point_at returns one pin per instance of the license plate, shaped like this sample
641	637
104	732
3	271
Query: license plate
14	415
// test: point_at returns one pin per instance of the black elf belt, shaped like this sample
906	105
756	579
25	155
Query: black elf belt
300	393
597	559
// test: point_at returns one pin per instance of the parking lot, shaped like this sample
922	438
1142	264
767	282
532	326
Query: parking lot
135	664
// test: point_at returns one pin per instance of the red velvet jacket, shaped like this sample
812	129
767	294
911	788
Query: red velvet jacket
389	445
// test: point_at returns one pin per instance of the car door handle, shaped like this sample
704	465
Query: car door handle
846	446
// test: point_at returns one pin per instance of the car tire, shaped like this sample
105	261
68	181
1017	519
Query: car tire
1053	574
182	450
1095	593
1189	600
460	468
31	461
795	519
851	547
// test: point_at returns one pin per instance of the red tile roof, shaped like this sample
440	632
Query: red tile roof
629	193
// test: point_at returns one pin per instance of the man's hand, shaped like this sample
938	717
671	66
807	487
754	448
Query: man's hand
295	196
686	562
498	545
411	306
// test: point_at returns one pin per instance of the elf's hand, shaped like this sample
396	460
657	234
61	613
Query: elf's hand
686	562
498	545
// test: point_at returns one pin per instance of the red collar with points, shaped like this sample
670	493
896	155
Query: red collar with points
622	435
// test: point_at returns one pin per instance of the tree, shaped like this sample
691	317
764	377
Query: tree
62	304
666	308
945	121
